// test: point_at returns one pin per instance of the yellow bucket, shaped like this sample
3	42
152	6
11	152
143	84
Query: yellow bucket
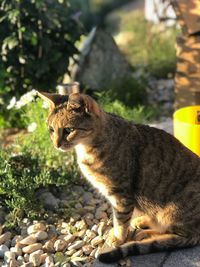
187	127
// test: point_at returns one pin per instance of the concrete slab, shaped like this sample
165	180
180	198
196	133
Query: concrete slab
180	258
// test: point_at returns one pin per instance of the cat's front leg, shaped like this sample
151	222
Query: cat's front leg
121	221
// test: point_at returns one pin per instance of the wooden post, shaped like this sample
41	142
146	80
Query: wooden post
187	78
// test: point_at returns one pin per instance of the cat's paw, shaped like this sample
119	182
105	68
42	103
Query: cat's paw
112	240
141	222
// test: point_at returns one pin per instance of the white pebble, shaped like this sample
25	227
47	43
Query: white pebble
9	255
3	249
16	250
28	240
35	257
96	241
35	228
76	245
60	245
41	235
31	248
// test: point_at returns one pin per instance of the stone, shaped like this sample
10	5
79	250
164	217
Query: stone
28	240
101	63
16	250
99	214
90	234
27	264
35	257
96	241
87	249
5	237
36	227
43	257
3	249
60	245
76	245
9	255
101	228
70	252
49	246
49	201
13	263
52	233
78	253
31	248
49	261
16	239
41	235
87	197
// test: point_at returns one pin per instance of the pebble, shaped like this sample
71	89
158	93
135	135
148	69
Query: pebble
31	248
49	246
60	245
5	237
69	238
35	257
36	227
3	249
70	252
16	250
9	255
49	261
96	241
1	229
76	245
41	235
28	240
90	234
99	214
101	228
78	253
16	239
87	249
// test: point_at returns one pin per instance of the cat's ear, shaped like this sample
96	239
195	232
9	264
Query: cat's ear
79	102
52	99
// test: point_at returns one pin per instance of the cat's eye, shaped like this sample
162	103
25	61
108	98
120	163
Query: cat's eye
67	131
51	129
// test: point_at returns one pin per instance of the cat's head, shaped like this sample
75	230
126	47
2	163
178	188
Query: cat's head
72	120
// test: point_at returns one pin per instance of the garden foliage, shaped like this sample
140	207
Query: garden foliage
37	39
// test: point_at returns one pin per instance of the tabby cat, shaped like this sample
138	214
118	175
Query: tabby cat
136	167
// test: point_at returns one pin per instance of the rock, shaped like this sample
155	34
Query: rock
66	265
27	264
9	255
41	235
16	239
101	228
36	227
96	241
80	233
52	233
94	228
87	249
90	234
49	261
49	201
76	245
16	250
3	249
70	252
87	197
13	263
43	257
5	237
60	245
28	240
35	257
100	214
101	63
103	207
80	225
1	229
26	257
31	248
20	260
78	253
49	246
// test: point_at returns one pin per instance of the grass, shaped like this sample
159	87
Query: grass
144	44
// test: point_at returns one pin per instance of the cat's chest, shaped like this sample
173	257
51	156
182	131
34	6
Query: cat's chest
86	162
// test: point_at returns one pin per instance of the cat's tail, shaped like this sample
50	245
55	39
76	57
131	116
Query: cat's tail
165	242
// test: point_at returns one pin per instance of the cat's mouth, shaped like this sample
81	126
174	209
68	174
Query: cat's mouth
65	147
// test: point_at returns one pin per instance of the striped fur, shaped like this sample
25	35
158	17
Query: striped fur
136	167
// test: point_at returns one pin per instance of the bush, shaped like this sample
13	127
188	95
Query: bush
33	163
149	46
37	39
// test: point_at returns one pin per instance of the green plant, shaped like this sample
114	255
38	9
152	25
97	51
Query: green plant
138	114
32	163
37	39
148	46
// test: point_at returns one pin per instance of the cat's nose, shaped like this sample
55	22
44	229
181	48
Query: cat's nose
58	143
